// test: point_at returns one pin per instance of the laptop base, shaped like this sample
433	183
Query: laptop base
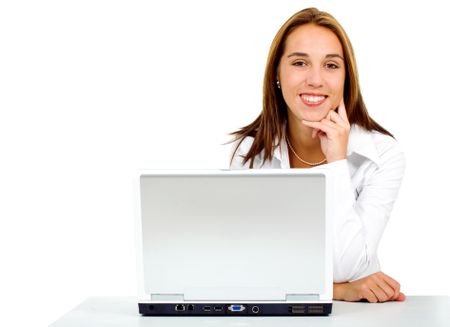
233	309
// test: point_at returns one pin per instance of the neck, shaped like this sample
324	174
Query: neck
308	148
301	138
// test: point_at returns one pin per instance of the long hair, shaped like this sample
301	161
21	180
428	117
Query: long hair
269	125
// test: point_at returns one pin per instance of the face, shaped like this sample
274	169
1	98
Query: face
312	72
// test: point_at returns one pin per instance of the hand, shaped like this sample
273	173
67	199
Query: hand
333	132
377	287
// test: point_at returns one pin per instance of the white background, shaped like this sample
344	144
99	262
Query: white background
92	91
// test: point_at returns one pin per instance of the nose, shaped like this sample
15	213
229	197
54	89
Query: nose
314	77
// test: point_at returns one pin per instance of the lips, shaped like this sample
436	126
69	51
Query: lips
313	99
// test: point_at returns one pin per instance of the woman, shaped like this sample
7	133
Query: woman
314	117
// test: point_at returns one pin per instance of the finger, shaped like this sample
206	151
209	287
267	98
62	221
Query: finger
392	282
322	135
401	297
335	129
390	291
314	133
379	293
342	111
330	123
370	296
329	115
338	119
324	127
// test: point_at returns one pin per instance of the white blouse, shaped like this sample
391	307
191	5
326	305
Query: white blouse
366	185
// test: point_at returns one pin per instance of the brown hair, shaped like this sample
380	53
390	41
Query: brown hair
268	127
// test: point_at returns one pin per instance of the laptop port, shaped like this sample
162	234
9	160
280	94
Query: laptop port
180	307
297	309
315	309
207	308
236	308
190	307
217	308
255	309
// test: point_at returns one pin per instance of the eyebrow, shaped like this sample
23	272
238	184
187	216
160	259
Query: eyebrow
303	54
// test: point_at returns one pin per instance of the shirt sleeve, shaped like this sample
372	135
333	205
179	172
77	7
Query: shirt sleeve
359	221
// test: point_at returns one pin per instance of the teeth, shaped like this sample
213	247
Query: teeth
313	98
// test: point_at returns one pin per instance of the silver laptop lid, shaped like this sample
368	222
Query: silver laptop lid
234	235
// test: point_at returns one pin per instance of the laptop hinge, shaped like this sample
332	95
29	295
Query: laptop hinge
167	297
302	297
180	297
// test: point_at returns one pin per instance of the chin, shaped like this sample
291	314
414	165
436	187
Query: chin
313	116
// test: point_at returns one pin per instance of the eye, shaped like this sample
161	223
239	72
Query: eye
299	63
331	65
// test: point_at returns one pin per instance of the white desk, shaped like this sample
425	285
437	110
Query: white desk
423	311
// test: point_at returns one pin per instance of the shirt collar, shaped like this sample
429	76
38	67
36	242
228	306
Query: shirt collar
360	142
281	152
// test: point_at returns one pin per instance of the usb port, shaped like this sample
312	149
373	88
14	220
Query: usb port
315	311
318	307
207	308
297	309
217	308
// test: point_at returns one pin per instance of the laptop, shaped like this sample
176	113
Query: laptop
234	243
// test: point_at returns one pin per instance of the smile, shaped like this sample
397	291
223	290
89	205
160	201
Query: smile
313	99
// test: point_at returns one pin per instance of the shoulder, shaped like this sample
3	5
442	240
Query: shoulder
384	142
239	150
245	145
388	149
375	146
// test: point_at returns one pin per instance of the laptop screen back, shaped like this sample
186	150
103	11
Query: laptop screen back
233	235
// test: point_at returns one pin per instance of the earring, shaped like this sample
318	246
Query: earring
278	84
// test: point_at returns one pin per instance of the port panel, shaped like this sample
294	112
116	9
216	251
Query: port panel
232	309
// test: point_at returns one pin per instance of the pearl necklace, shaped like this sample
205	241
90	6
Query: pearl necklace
304	161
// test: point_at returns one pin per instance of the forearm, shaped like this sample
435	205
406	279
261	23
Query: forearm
350	250
360	215
339	290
